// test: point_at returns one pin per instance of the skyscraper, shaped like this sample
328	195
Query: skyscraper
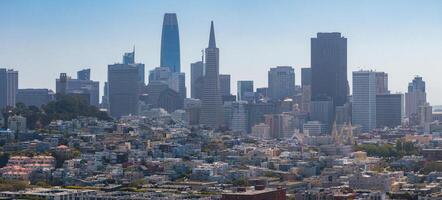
281	82
84	74
239	117
86	87
105	97
196	79
389	110
176	81
170	43
329	67
3	88
306	89
212	107
364	99
12	87
244	87
129	59
415	96
382	83
322	111
160	74
224	84
123	89
306	76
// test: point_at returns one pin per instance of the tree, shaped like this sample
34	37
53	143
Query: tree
65	107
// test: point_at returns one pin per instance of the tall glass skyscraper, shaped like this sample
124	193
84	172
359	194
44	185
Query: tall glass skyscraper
170	43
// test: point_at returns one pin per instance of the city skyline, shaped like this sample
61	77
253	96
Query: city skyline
363	48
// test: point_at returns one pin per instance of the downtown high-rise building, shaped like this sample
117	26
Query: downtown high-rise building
382	83
123	86
281	82
129	59
239	117
105	97
364	99
170	43
81	87
3	88
329	68
306	89
176	81
389	110
196	79
244	90
306	77
12	87
8	87
415	96
84	74
224	84
212	107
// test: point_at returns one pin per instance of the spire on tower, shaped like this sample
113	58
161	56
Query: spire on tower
212	43
133	52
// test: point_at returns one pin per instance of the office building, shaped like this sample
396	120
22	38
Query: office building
382	83
123	89
415	96
244	87
364	99
12	87
160	74
275	122
196	79
261	130
175	81
389	110
129	59
211	108
84	74
154	90
227	113
35	97
322	111
3	88
315	128
170	43
257	112
329	68
85	88
8	87
261	93
239	118
281	82
425	116
193	109
105	97
306	76
224	84
343	114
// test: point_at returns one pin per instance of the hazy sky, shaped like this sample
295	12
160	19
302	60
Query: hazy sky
43	38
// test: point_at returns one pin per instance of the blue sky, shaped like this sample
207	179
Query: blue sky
43	38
